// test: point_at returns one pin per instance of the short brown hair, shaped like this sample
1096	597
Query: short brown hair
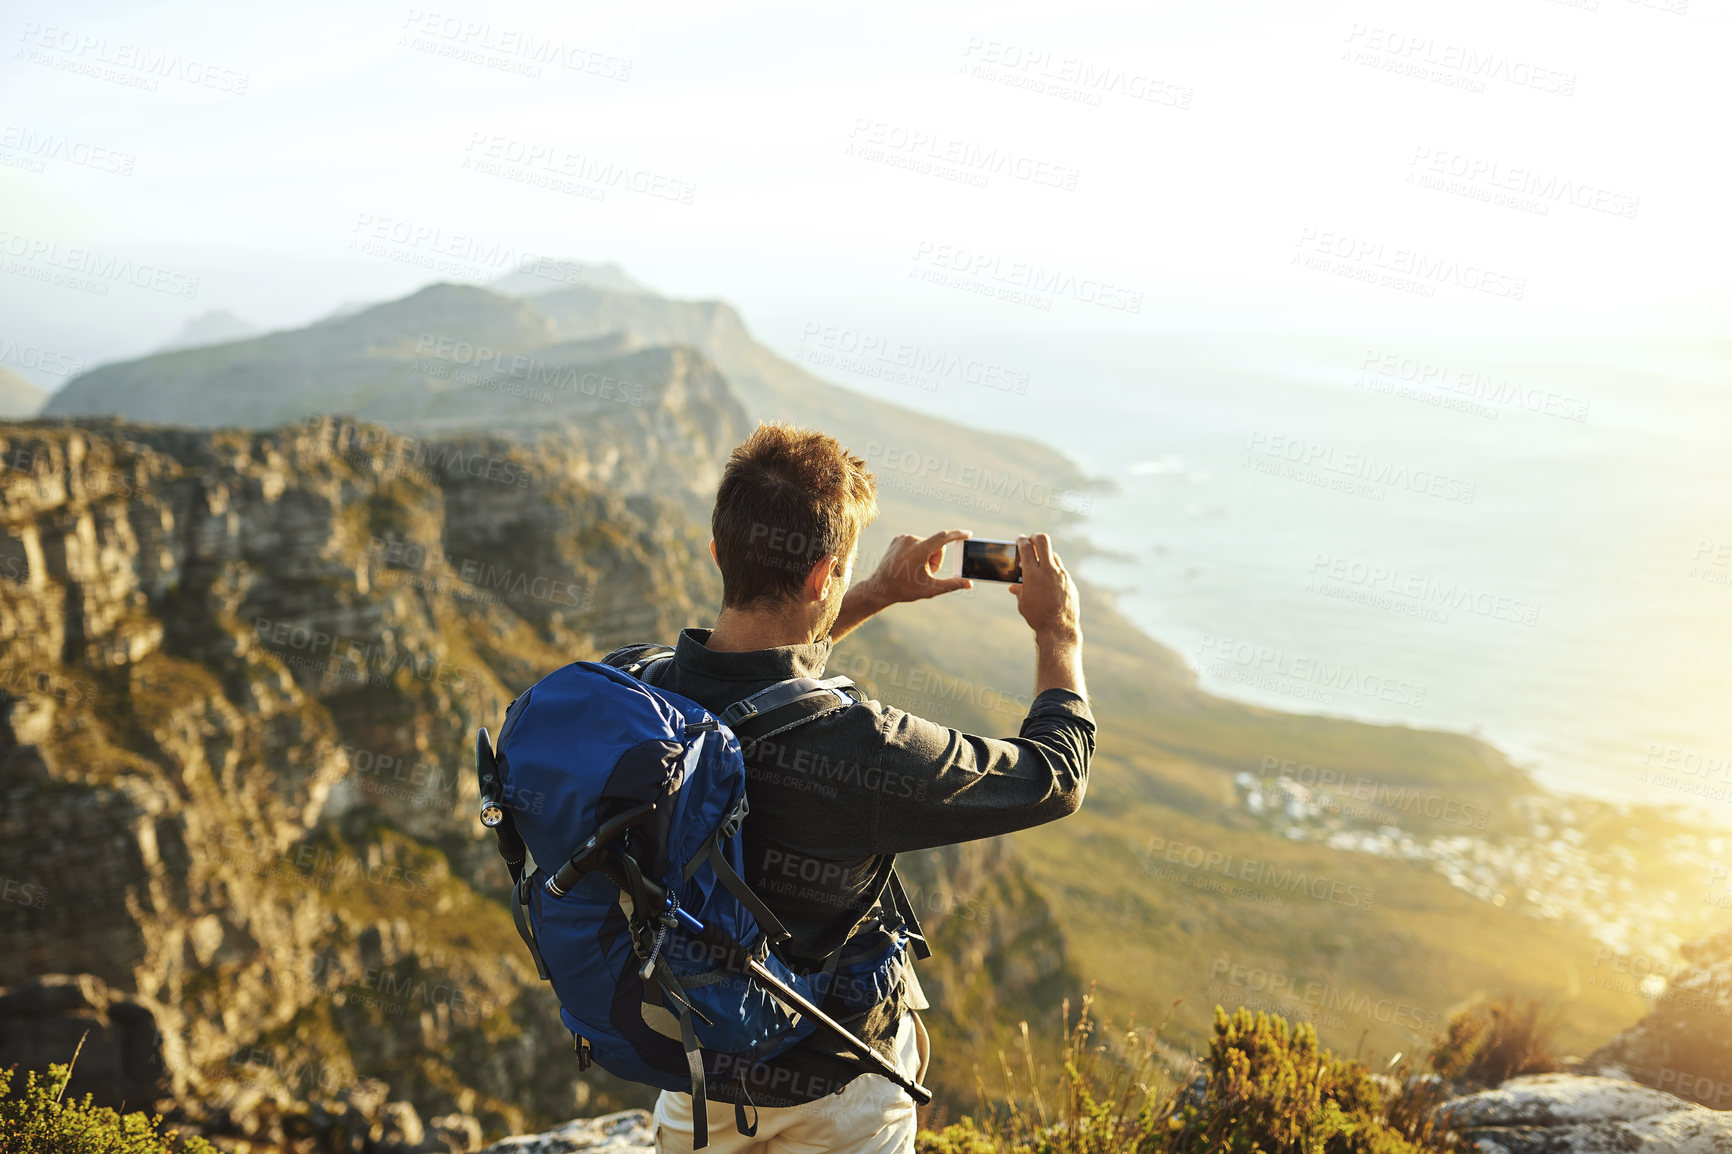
788	498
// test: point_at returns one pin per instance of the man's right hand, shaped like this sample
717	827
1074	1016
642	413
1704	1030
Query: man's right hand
1045	596
1048	602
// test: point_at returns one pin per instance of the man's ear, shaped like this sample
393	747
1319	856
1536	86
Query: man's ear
713	556
827	568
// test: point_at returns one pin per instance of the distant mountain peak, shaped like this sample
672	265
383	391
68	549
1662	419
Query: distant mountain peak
216	327
545	276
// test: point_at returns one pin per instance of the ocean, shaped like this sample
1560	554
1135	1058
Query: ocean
1528	541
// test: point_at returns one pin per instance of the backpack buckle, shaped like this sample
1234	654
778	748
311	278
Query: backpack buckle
736	818
739	711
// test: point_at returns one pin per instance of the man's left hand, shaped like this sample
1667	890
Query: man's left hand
911	566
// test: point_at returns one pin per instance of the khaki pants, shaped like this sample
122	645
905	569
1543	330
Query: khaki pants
872	1115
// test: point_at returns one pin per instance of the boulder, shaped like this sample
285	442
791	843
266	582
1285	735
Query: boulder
627	1132
1684	1045
1579	1114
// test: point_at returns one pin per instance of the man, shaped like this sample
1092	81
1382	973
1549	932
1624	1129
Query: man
833	802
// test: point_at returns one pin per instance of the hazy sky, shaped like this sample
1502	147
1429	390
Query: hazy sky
1517	166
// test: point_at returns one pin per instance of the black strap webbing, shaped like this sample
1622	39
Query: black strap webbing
700	1099
520	915
904	907
671	988
771	924
746	1131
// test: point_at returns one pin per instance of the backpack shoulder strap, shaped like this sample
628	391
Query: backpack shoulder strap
787	704
644	662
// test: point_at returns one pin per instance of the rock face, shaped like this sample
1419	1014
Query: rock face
628	1132
238	675
1684	1045
1576	1114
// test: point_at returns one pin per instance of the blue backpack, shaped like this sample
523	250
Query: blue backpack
631	799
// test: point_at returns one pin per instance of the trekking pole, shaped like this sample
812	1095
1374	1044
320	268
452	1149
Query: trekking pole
785	993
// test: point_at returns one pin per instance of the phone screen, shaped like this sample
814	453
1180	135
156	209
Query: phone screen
991	560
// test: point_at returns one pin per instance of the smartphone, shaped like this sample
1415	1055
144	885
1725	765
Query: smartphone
986	560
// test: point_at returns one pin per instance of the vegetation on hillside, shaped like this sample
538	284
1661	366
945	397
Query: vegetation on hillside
1265	1087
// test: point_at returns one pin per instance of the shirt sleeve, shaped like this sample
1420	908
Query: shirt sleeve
957	787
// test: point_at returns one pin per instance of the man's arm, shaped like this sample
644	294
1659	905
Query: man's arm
925	784
908	572
876	780
972	787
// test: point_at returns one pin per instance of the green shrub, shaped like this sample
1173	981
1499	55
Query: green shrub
1269	1088
1492	1043
37	1121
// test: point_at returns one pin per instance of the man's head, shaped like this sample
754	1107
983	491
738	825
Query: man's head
788	517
